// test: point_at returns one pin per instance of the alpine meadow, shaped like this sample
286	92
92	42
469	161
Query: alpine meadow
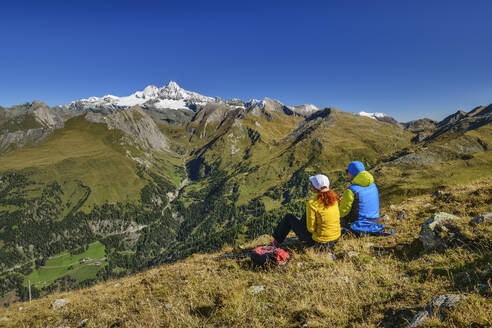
103	188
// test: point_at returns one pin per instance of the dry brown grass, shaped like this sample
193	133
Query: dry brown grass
384	285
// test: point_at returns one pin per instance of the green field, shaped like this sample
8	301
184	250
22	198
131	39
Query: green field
82	151
58	266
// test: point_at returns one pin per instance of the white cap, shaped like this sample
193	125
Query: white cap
320	182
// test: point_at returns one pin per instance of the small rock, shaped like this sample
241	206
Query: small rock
437	193
419	319
484	288
392	207
299	264
352	254
401	215
404	278
445	301
59	303
344	279
168	306
117	285
83	323
20	308
426	205
63	326
256	289
384	218
370	244
485	218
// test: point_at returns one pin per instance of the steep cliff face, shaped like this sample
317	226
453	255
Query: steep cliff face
136	124
18	139
27	124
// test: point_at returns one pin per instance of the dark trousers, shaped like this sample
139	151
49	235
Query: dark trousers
290	222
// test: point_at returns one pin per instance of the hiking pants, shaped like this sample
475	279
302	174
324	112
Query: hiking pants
290	222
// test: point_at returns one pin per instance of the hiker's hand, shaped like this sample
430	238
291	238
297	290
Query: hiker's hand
340	197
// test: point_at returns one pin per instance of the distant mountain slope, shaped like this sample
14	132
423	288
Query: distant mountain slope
27	124
461	122
380	117
149	185
454	150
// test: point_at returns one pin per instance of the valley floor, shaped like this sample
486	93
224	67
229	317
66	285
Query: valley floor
373	282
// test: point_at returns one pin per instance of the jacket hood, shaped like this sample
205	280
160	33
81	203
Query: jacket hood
363	179
355	168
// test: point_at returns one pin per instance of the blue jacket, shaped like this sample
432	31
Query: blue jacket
362	195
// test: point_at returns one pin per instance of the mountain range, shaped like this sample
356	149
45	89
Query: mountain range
164	173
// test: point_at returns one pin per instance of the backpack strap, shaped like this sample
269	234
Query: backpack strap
385	234
366	227
233	256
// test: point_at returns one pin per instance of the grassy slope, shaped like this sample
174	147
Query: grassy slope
58	266
327	147
19	123
82	151
385	284
400	180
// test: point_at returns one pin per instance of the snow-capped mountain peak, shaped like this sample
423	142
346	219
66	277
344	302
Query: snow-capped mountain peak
173	85
149	92
170	96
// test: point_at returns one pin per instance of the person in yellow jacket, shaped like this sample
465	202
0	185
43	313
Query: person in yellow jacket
321	225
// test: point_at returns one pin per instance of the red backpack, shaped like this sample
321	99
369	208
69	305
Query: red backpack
260	255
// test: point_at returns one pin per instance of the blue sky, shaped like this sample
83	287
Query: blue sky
409	59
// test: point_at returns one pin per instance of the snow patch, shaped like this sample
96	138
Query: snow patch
374	116
306	108
170	103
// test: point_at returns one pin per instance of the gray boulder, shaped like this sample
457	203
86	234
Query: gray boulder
59	303
430	234
437	306
484	218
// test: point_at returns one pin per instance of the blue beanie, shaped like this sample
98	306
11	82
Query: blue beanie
355	168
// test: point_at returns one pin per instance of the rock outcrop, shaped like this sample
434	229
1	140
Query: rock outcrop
484	218
437	306
135	123
433	230
59	303
27	124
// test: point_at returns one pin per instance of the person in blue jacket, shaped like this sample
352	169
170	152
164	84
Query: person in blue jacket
361	200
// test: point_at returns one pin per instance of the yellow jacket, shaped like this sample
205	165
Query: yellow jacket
322	222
